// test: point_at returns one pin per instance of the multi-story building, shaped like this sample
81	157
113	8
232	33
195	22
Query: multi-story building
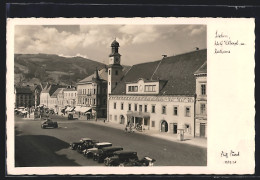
92	93
70	96
159	95
27	96
47	97
201	101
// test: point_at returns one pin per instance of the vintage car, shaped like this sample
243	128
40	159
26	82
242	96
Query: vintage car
90	152
106	152
82	144
49	123
121	157
127	158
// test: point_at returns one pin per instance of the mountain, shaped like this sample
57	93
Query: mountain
36	68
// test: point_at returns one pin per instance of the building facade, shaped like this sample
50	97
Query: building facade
158	95
27	96
70	96
92	93
48	96
201	101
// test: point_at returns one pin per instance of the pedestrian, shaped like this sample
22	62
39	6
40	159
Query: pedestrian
104	121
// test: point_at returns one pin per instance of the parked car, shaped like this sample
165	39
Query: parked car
90	152
82	143
120	158
49	123
86	145
106	152
128	158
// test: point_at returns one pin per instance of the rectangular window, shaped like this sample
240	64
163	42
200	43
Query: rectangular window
175	111
94	91
187	111
163	109
145	108
153	123
153	108
94	101
114	105
203	89
203	109
135	107
132	88
145	122
129	107
108	72
122	106
149	88
140	108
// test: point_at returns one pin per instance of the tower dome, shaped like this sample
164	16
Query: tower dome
114	44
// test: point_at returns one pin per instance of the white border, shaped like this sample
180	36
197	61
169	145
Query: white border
232	72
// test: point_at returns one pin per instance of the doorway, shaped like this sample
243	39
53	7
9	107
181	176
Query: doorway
202	129
164	126
175	127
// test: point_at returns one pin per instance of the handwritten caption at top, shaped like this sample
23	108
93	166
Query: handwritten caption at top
224	42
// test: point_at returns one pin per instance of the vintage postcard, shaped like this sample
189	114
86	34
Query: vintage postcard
130	96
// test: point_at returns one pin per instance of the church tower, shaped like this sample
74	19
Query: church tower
114	68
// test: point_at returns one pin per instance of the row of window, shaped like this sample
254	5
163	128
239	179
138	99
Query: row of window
149	88
132	88
143	108
69	94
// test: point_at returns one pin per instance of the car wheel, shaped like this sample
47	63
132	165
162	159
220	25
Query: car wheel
43	127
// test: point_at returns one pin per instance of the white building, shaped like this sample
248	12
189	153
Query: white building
159	95
201	101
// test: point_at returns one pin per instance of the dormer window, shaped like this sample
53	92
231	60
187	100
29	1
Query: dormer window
132	88
149	88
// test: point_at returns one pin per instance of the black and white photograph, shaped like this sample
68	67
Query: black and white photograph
103	95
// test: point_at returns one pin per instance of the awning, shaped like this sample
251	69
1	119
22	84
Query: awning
77	108
85	109
138	114
67	109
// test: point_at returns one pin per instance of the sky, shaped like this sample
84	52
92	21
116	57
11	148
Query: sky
138	43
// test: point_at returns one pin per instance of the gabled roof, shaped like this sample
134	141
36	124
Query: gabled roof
202	69
51	88
102	73
55	94
176	71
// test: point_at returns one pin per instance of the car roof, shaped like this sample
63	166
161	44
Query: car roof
85	139
125	152
112	147
103	143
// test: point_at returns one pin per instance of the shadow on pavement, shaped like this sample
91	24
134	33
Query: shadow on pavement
40	150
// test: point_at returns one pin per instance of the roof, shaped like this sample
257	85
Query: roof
55	94
114	43
102	73
69	89
51	88
176	71
202	69
23	90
